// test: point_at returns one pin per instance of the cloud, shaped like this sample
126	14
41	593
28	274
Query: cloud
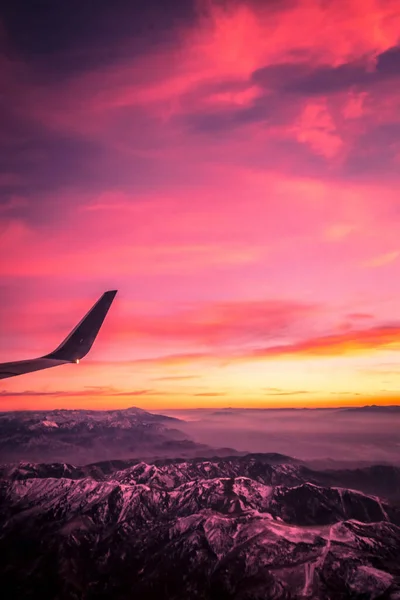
207	324
93	392
221	322
349	343
339	231
383	259
381	372
279	392
360	316
360	75
352	342
355	105
172	360
210	394
344	393
228	170
317	128
175	378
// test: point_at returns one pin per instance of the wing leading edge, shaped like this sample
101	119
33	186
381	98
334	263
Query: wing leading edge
75	346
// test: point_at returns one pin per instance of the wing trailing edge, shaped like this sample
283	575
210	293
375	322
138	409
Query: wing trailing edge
75	346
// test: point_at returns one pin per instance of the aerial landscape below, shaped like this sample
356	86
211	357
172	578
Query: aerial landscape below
158	515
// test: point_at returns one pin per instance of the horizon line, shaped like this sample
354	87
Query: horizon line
216	408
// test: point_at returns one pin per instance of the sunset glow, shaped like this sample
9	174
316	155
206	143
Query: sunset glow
233	169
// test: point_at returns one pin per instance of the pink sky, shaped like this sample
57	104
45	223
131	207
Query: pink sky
234	173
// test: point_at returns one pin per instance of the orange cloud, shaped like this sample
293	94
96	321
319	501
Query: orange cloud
383	259
210	394
351	342
339	231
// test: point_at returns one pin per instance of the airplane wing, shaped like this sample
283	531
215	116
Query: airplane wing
75	346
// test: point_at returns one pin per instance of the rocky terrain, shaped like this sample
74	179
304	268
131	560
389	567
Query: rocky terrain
245	527
82	436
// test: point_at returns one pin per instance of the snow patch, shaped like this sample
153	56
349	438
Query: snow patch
309	570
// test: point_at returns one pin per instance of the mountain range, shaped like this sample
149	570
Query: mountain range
248	527
221	526
82	436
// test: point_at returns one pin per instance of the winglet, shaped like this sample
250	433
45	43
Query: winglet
78	343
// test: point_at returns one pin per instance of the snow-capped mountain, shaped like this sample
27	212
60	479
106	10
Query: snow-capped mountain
82	436
168	473
247	527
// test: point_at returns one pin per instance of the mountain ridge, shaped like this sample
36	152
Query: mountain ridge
83	436
192	528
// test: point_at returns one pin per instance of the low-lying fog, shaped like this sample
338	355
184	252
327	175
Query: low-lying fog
340	434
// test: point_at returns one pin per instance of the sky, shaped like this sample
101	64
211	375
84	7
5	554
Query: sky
233	169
